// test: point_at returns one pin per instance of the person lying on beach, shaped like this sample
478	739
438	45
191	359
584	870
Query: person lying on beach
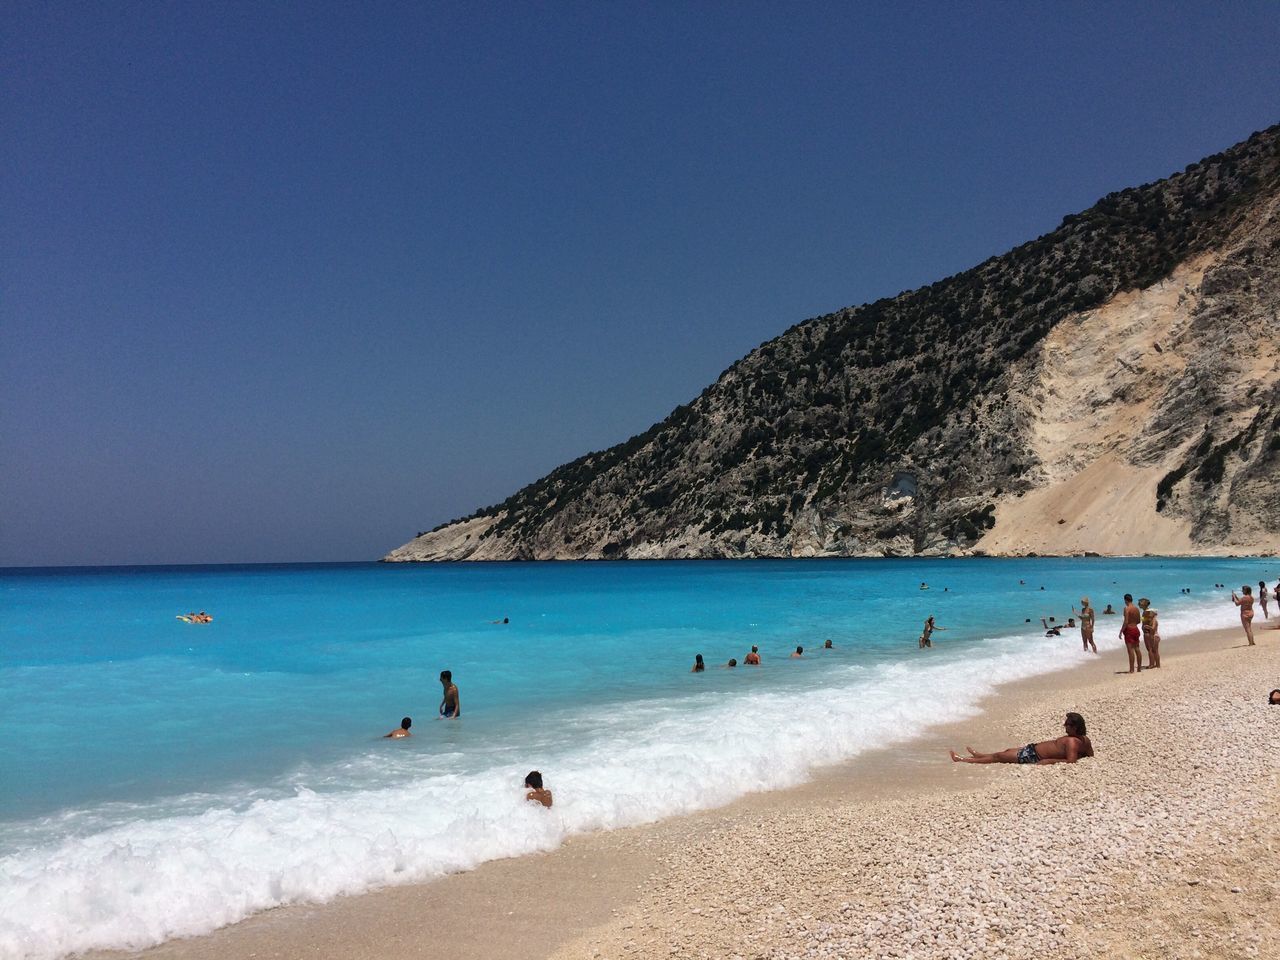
401	731
752	659
1074	746
698	665
799	653
451	704
1274	698
537	792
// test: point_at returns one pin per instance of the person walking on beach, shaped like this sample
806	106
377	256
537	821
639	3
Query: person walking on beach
537	792
451	704
1245	603
1150	632
927	633
752	659
1262	598
1074	746
1087	617
1130	633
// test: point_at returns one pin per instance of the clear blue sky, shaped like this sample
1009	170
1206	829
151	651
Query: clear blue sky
295	281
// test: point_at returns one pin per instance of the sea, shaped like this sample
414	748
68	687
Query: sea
160	778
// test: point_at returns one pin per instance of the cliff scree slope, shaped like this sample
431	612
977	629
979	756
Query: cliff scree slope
1110	387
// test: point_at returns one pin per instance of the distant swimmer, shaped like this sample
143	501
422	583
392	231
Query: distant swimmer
1051	631
1245	603
1109	611
926	635
1074	746
923	585
1086	625
828	645
752	659
503	620
537	792
194	617
698	665
451	704
799	653
1150	632
733	662
401	731
1130	633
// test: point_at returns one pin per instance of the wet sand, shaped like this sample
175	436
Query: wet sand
899	852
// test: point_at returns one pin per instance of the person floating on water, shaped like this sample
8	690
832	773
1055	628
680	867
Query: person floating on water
752	659
451	704
923	585
194	617
1086	625
537	792
1130	633
1074	746
401	731
503	620
698	665
926	636
1150	632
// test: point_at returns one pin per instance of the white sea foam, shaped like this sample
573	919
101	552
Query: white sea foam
143	881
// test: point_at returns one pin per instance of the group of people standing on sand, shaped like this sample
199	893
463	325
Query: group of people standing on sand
1245	600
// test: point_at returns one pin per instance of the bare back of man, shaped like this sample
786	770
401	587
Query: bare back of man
1075	745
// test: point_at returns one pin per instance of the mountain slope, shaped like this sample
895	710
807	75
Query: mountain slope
1110	387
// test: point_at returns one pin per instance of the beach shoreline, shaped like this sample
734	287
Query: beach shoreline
592	895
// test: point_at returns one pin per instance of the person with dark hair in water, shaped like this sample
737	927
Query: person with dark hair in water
1067	749
698	665
450	705
733	662
401	731
752	659
798	654
537	792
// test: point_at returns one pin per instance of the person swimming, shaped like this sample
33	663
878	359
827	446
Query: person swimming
799	653
733	662
537	792
827	645
698	665
401	731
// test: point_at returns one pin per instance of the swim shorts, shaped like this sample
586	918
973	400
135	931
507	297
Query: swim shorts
1131	635
1028	754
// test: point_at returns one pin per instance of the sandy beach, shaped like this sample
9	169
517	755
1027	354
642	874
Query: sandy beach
1159	847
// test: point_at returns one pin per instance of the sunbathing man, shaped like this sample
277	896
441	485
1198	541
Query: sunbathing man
1068	749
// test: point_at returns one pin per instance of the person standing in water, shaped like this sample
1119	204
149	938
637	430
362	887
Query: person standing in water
1150	632
927	633
1245	603
698	665
752	659
1130	633
1087	616
451	704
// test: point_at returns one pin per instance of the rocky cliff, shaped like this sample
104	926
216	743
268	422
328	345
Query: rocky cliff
1110	387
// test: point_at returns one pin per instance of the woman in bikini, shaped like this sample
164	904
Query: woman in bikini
1245	603
1262	597
1150	632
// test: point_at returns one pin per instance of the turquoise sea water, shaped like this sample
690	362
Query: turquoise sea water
240	763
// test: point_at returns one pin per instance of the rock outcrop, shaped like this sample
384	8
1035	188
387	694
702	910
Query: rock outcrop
1111	387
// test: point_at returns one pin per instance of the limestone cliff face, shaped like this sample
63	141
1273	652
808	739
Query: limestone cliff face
1112	387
